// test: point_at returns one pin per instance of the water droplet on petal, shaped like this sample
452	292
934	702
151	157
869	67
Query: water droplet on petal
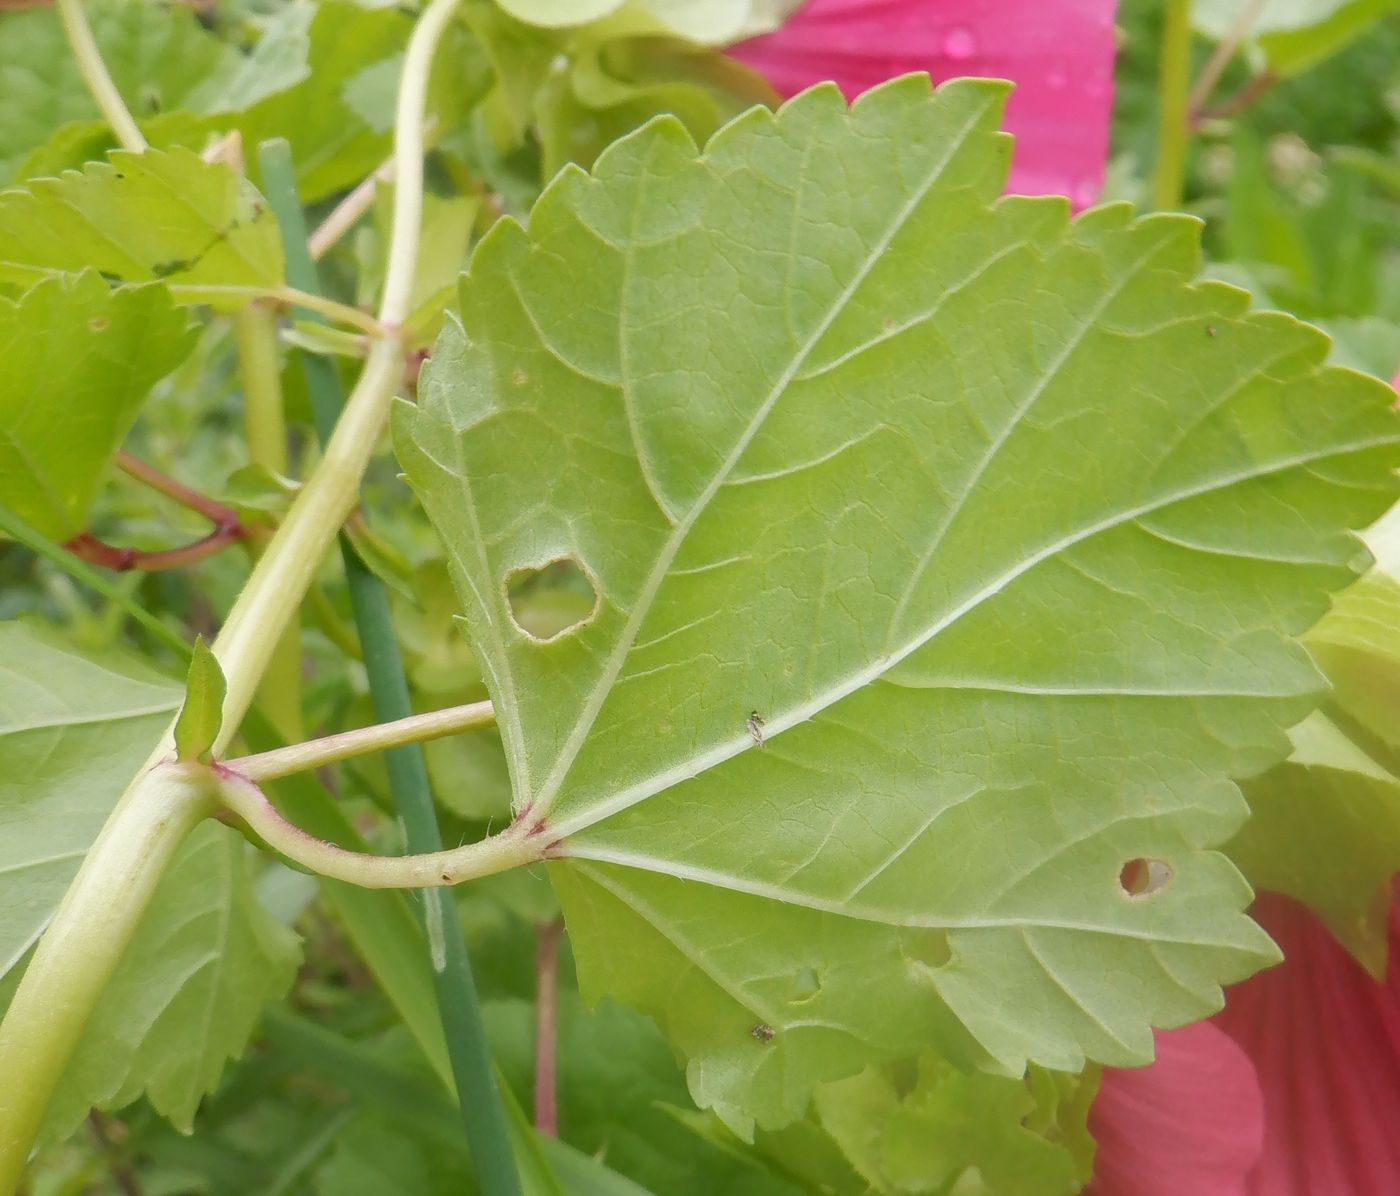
960	44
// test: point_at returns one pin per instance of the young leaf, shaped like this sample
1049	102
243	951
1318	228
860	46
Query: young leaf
79	361
73	728
946	557
200	718
926	1136
163	214
187	994
1325	825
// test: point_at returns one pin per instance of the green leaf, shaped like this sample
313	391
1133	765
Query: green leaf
73	729
946	556
1325	825
188	991
618	1090
199	720
1292	35
941	1129
160	58
710	22
163	214
332	147
79	361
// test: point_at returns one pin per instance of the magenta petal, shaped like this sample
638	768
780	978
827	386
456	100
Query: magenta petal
1189	1124
1059	53
1325	1041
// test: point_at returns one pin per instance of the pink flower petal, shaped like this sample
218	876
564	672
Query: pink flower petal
1325	1041
1189	1124
1059	53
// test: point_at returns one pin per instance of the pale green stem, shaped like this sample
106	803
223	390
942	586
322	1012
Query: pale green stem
340	313
92	926
1173	127
315	753
265	424
408	161
77	956
96	76
517	845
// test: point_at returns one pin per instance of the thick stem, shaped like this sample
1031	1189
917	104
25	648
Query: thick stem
76	956
82	947
316	753
96	76
520	843
1173	128
547	1027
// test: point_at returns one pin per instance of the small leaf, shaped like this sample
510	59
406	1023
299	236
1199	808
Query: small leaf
999	523
202	715
73	729
187	994
161	215
79	360
1325	825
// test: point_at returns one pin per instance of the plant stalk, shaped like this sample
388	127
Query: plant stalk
474	1075
96	76
316	753
1173	123
265	425
76	957
93	924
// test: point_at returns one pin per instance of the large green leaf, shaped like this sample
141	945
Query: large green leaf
1293	35
187	993
73	729
163	214
79	359
947	555
160	58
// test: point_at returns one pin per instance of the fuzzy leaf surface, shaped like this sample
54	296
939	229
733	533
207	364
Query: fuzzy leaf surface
73	729
188	991
161	215
79	361
947	555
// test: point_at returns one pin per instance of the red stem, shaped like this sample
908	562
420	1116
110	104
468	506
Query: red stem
1233	104
227	528
547	1027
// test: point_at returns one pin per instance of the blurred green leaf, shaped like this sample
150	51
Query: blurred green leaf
197	725
1293	35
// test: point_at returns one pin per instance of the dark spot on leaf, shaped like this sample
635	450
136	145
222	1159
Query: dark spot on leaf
754	723
166	269
1210	331
763	1033
98	324
1143	877
550	600
518	377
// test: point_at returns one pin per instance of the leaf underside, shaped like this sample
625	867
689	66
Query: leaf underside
947	555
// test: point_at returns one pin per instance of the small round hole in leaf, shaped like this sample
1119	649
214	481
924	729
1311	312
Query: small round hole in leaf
1141	877
552	599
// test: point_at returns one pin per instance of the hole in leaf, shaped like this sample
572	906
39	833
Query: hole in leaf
805	985
550	600
1142	877
928	947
